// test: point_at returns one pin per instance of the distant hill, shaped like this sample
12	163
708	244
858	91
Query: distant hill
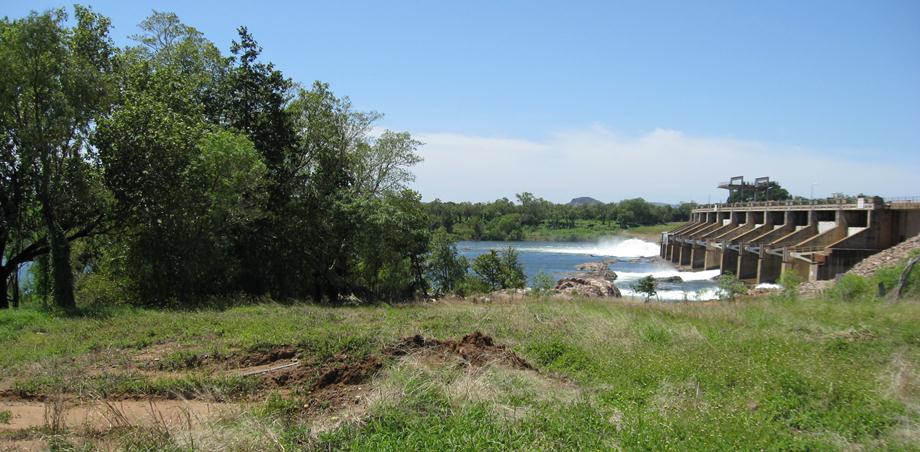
584	201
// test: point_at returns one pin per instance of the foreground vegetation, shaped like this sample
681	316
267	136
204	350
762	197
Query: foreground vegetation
171	172
763	373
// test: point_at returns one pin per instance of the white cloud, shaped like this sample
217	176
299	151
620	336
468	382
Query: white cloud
661	165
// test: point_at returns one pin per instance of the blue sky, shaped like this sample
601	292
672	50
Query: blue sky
558	97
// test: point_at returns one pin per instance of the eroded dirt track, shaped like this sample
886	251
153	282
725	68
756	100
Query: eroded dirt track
332	388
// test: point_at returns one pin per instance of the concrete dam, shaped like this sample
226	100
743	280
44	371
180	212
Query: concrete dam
818	240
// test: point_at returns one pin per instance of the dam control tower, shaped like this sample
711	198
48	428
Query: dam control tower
759	189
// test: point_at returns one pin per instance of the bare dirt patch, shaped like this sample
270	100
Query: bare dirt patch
155	353
101	415
269	356
342	385
476	349
330	391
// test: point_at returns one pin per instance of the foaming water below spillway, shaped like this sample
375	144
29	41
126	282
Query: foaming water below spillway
610	247
706	275
630	258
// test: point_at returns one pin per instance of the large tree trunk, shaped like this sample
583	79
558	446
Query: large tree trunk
16	288
60	269
4	301
61	273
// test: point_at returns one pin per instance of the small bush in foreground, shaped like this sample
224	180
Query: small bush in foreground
730	287
790	281
472	285
851	288
647	286
542	282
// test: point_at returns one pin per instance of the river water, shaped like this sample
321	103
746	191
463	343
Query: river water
630	258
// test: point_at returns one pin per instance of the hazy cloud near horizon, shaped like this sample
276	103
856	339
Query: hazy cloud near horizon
661	165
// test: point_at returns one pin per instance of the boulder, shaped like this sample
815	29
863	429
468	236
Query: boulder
588	287
670	279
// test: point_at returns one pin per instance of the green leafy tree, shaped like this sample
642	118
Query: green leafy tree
57	80
339	172
15	227
488	267
500	270
446	268
505	227
647	286
184	189
392	244
512	271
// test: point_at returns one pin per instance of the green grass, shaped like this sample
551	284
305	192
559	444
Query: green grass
756	374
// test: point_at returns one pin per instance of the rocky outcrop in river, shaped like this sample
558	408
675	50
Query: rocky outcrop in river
597	270
595	280
588	287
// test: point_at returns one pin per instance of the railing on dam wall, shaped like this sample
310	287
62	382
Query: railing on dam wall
828	203
903	202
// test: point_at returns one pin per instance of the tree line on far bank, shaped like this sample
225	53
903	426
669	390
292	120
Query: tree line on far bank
506	220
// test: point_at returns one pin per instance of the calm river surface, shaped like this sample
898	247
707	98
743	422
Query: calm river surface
630	258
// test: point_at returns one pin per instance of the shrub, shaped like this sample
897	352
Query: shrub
500	271
445	267
99	289
730	287
471	285
512	272
790	281
647	286
851	287
542	282
488	267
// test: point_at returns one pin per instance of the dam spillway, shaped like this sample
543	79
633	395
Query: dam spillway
818	240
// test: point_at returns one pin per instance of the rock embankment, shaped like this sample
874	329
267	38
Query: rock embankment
886	258
868	266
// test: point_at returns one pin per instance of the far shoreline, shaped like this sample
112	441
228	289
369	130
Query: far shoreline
648	233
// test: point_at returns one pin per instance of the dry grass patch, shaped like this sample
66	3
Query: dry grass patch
675	398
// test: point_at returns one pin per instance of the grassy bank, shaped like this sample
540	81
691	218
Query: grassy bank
757	374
